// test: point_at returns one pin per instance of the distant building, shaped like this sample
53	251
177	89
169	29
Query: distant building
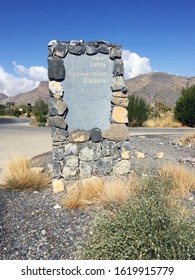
10	104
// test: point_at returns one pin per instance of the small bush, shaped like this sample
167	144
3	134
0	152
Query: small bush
19	175
166	120
40	110
183	179
188	139
99	191
138	111
185	107
145	227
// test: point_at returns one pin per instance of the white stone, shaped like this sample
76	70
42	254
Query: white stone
122	167
56	88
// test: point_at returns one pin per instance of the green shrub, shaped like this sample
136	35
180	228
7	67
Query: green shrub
185	107
148	226
138	111
40	110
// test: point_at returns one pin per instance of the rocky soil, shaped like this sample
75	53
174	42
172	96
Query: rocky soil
33	225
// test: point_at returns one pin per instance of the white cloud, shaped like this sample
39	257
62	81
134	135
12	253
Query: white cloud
29	79
134	64
38	73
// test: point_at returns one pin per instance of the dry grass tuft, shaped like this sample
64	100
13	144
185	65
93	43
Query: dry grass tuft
183	179
186	140
166	120
19	175
99	191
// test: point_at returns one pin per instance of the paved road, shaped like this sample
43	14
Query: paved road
17	137
161	131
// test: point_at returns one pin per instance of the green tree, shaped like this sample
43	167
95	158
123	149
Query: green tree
138	111
185	107
40	110
2	110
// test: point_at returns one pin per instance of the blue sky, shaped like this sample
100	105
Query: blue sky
157	35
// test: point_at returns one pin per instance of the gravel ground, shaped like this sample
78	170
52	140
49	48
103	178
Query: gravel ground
32	226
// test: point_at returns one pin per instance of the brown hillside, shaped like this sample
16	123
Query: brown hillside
153	87
41	92
159	87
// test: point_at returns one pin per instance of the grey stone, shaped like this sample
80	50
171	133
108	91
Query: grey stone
118	101
56	69
57	121
96	135
90	152
71	149
57	169
58	135
77	50
91	49
52	43
75	42
50	51
115	52
57	155
70	173
118	83
102	167
72	161
60	49
53	112
103	48
116	132
122	167
79	136
57	107
87	90
118	69
109	148
85	169
61	107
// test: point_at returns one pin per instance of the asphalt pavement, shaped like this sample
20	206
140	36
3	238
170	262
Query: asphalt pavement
17	137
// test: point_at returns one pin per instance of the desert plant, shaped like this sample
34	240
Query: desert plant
165	120
19	175
146	226
183	179
185	107
138	111
99	191
40	110
187	139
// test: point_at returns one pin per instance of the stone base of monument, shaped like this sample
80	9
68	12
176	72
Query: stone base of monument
88	115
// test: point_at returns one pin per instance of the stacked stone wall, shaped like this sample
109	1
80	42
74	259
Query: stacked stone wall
79	154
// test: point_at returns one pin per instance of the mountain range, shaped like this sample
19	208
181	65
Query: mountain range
153	87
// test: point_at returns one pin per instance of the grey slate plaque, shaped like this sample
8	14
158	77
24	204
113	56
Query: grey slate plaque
87	90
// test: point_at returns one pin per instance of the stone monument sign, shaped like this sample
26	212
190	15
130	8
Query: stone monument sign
87	90
87	107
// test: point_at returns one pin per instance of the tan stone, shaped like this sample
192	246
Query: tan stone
140	155
119	101
58	185
119	115
125	155
119	94
116	132
79	136
160	155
